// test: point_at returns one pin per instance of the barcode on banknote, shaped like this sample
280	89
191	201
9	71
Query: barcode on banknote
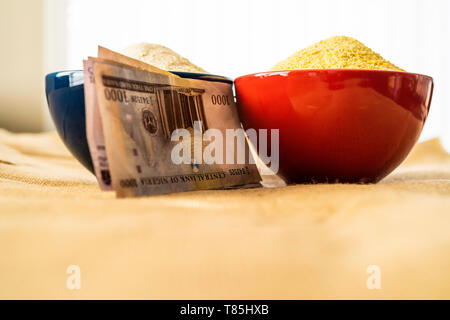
179	108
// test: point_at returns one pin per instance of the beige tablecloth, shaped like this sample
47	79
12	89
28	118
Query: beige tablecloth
303	241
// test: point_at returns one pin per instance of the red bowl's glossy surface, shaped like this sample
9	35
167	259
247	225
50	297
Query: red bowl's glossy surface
337	125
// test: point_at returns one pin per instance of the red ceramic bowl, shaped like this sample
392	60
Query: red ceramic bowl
337	125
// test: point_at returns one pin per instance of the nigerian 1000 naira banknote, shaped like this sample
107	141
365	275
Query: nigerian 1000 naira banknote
165	134
94	129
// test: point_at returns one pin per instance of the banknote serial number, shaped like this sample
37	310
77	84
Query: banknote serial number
121	96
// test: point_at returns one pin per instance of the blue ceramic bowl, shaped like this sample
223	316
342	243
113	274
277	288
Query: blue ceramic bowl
65	97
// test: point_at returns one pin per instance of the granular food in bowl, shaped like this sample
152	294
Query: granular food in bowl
338	52
161	57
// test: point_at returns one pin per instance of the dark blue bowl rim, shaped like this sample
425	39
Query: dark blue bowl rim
182	74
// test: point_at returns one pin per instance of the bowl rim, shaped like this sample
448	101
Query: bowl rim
266	74
182	74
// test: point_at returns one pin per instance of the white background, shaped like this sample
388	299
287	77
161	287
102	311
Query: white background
233	38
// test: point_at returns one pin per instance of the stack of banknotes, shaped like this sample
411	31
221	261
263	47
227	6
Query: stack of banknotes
151	132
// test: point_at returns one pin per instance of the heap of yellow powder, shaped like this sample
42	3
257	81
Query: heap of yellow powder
337	52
